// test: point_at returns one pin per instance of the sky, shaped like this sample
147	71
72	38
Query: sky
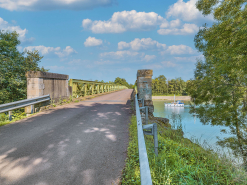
105	39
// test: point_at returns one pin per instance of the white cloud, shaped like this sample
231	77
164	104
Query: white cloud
186	30
161	65
189	59
186	11
122	54
56	68
33	5
92	41
168	64
141	44
125	21
179	50
66	52
149	57
47	50
42	49
4	25
105	62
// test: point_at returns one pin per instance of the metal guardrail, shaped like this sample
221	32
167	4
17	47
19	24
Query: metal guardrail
8	107
85	87
143	158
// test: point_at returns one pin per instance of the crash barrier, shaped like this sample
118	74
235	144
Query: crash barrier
8	107
151	129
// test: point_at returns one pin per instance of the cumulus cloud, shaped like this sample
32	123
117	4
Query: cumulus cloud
179	49
186	30
189	59
47	50
125	21
161	65
105	62
141	44
4	25
33	5
66	52
122	54
186	11
92	41
149	57
168	64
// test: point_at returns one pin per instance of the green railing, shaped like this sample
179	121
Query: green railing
82	88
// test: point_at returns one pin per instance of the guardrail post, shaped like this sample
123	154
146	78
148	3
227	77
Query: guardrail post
154	133
146	114
155	139
32	109
10	115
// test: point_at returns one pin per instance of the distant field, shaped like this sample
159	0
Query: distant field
170	97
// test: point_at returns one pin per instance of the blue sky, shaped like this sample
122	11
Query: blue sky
105	39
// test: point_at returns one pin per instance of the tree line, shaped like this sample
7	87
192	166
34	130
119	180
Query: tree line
163	86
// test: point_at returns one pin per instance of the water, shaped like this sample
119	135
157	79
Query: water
192	127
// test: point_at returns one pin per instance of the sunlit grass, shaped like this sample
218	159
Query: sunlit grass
179	161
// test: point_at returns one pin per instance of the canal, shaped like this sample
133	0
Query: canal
205	135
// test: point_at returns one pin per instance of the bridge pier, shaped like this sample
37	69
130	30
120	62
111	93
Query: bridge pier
144	88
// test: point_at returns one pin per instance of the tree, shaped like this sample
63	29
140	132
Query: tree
122	81
219	86
13	66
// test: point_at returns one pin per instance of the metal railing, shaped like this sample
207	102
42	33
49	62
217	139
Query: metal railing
85	87
143	158
8	107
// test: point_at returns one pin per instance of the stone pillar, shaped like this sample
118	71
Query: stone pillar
144	87
42	83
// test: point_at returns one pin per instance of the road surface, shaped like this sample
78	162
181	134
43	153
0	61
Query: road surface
74	144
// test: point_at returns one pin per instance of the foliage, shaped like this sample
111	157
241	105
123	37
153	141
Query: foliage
161	86
179	161
122	81
13	66
219	87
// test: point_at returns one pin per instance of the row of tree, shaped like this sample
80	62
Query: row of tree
163	86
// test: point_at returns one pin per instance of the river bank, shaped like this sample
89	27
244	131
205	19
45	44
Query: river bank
186	98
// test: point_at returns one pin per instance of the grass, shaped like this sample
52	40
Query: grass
16	115
168	95
179	161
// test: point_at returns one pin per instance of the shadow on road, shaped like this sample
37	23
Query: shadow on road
83	144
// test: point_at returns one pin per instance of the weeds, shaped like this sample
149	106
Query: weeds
179	161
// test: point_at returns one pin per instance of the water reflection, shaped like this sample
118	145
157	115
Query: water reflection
192	127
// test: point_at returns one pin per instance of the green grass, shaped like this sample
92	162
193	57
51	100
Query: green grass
168	95
179	161
16	115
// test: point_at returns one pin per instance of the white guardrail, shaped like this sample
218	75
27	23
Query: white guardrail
23	103
143	158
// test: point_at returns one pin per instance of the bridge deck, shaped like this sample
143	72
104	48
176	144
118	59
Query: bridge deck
74	144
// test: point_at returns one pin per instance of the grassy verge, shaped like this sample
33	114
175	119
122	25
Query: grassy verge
168	95
179	161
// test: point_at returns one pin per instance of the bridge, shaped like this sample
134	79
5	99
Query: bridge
76	143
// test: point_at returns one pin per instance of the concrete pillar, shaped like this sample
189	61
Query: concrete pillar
42	83
144	87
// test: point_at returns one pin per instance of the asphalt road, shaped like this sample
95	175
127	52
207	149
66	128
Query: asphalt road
74	144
